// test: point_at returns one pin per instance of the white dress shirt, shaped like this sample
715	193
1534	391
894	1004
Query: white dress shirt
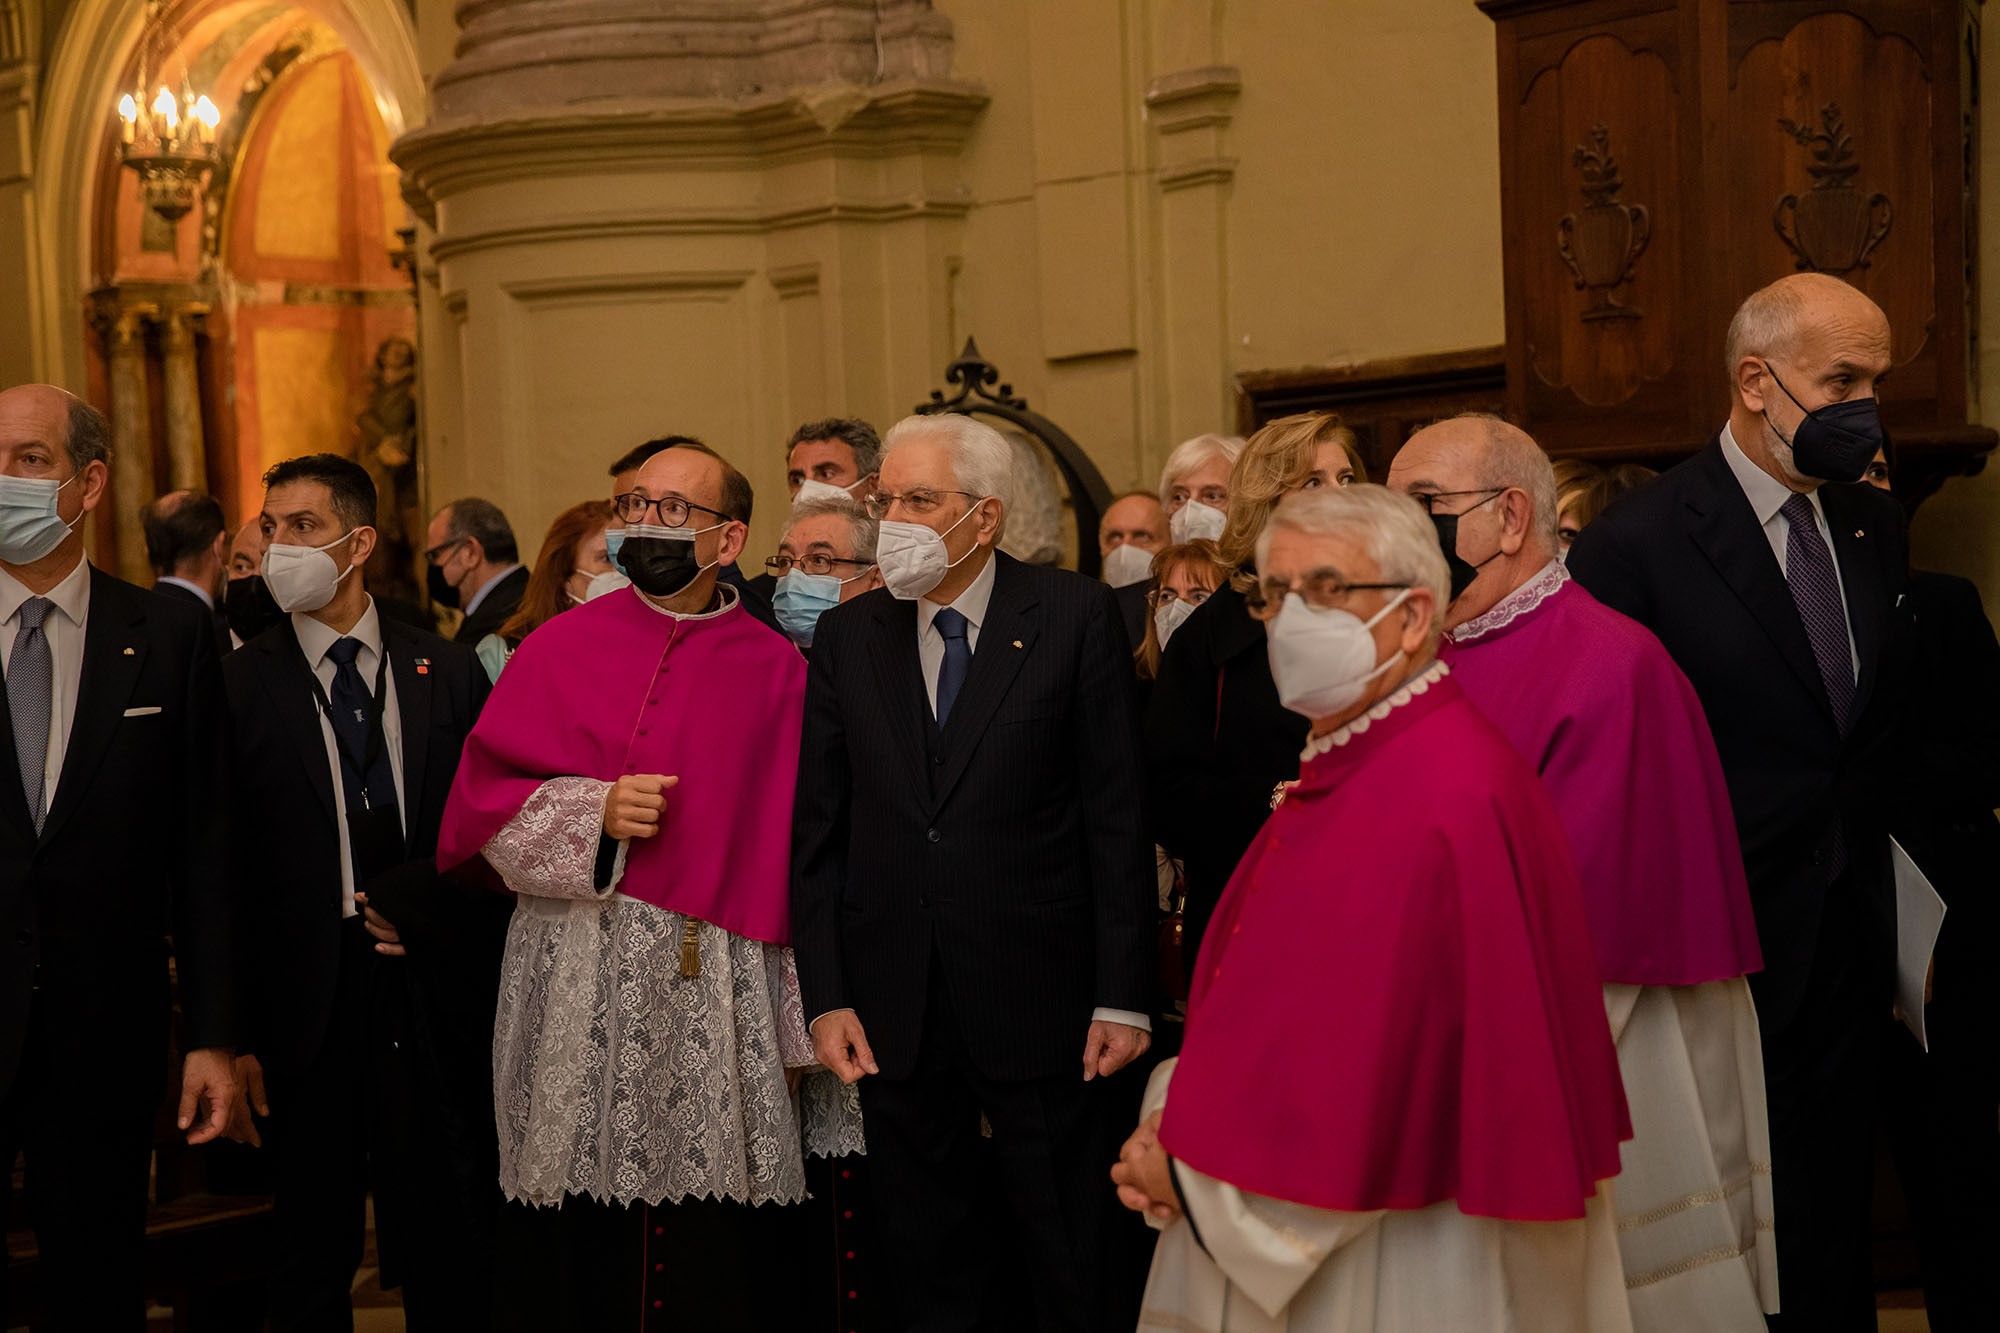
316	640
972	604
207	597
487	587
1767	496
63	628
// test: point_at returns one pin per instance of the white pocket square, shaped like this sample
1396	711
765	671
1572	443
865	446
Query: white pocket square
140	712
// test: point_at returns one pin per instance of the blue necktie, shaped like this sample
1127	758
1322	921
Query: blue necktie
957	660
1809	572
30	695
352	703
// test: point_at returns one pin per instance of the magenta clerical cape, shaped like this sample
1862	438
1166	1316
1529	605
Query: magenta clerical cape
1592	701
617	686
1396	1004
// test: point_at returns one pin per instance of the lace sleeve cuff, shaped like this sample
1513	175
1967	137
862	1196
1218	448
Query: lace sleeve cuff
788	1009
550	849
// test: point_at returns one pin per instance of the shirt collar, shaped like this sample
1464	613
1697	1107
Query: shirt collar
316	637
207	598
1766	494
971	603
71	596
1547	582
487	587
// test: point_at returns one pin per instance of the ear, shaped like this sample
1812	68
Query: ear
477	551
1420	613
991	512
220	550
96	476
363	545
735	536
1517	516
1752	379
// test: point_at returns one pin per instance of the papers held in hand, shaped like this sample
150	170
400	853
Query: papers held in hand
1919	913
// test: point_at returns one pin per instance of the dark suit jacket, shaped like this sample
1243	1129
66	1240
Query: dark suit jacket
1686	557
134	847
218	622
1217	743
756	600
1132	607
1006	848
764	585
289	854
495	610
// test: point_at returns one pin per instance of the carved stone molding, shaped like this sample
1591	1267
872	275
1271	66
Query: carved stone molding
13	32
1191	109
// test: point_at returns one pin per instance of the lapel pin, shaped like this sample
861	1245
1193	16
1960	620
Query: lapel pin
130	653
1017	643
423	665
1859	532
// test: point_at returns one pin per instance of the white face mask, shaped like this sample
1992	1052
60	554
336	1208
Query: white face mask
30	524
1127	564
304	578
1322	661
1194	521
912	557
607	582
810	489
1170	618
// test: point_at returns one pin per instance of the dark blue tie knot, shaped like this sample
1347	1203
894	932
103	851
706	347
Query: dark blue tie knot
344	651
952	624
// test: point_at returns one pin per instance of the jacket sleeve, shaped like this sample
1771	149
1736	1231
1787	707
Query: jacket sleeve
1108	782
820	813
204	883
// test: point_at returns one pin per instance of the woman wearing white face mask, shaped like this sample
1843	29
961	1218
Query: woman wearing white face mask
1183	577
1217	739
1194	486
574	566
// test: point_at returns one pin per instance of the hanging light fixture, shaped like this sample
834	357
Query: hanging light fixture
168	138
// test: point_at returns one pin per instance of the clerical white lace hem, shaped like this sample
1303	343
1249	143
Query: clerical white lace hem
1416	687
1514	605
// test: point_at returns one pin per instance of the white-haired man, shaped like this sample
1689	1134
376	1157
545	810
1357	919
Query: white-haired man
1780	598
972	892
1593	702
1435	1159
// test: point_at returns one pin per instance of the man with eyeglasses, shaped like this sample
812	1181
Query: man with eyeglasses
624	474
631	783
472	565
1592	700
826	557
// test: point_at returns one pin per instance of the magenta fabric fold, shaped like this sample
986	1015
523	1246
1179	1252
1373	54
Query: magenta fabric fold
1593	702
616	687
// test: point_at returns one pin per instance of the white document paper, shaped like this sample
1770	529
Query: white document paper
1919	914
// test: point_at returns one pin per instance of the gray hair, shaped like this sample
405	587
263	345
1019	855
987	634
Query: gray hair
1398	536
981	459
88	437
482	521
863	527
1509	456
1768	323
1192	454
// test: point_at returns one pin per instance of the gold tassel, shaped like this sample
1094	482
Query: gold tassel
690	947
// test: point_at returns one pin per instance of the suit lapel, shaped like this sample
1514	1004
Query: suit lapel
902	682
1857	552
114	650
413	711
13	801
288	681
1725	527
1005	639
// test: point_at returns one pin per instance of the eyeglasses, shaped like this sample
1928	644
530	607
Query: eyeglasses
1165	596
917	502
1429	499
815	562
1322	590
436	553
633	506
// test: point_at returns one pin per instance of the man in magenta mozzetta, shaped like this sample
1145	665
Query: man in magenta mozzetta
1592	700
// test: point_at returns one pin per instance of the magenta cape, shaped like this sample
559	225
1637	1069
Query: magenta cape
616	687
1395	1004
1595	705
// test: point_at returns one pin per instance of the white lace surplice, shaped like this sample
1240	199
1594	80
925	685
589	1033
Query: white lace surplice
615	1076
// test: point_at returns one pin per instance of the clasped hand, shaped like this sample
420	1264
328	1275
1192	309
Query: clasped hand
633	806
1142	1174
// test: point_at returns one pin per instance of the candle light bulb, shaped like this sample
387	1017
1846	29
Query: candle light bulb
164	107
128	110
206	115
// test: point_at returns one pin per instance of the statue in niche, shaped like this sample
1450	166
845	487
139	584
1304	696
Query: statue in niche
387	447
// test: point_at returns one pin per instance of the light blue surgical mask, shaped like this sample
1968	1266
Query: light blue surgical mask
30	524
613	539
800	600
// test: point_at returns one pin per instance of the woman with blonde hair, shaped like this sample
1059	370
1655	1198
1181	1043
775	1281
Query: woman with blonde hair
1218	742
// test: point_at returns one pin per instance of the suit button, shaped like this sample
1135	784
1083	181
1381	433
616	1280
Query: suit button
937	759
934	835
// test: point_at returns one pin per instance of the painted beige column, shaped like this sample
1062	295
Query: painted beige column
187	464
1189	111
131	438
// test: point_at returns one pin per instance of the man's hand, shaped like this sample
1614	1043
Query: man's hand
208	1084
842	1046
1110	1047
632	807
387	942
242	1126
1142	1174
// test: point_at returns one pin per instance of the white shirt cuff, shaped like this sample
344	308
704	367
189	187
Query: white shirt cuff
1126	1016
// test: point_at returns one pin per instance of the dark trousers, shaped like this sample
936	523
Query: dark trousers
950	1208
362	1116
1819	1076
81	1114
699	1266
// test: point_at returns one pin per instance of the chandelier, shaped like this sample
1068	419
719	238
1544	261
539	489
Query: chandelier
168	138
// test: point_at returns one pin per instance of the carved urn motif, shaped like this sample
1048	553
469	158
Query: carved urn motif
1602	241
1833	226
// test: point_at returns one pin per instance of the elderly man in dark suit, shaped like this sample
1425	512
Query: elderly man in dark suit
972	891
1780	598
473	565
112	729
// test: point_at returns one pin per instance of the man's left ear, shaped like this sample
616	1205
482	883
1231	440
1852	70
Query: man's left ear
1518	509
991	511
1420	612
96	476
735	536
362	546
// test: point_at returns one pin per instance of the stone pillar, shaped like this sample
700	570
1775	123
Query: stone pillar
685	254
131	437
187	465
1189	111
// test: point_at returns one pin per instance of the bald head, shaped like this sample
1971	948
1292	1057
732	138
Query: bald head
57	417
1800	344
1785	320
1476	452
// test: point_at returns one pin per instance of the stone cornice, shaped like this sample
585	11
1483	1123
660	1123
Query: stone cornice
444	157
1187	99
